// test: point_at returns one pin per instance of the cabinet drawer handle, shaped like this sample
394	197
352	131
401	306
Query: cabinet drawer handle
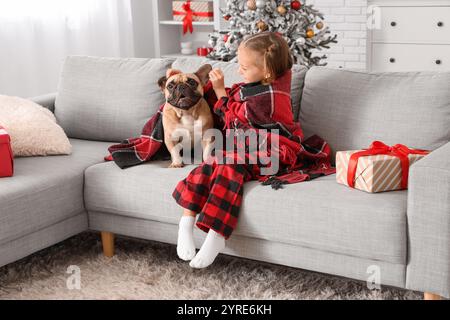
440	24
393	23
438	61
392	60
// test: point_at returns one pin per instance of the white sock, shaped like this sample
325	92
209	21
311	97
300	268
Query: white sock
185	243
213	245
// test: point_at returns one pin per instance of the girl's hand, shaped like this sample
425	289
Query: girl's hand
218	82
217	79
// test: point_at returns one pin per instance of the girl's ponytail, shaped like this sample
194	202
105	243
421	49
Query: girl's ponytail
269	58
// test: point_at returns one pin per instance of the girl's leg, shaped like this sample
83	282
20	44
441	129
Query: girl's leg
216	192
191	193
219	215
185	242
213	245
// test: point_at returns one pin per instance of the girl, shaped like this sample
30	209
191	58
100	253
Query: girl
214	190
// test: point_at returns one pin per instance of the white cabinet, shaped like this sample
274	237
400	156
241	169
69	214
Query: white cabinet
407	57
408	35
169	33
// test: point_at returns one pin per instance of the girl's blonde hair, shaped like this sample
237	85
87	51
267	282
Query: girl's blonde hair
275	50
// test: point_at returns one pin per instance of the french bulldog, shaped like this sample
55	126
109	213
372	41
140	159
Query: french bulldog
186	112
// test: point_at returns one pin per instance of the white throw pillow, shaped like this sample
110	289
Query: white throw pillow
33	128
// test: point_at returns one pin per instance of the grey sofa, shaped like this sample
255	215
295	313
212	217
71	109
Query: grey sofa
318	225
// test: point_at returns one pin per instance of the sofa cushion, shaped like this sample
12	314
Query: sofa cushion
319	214
350	109
108	99
45	190
231	75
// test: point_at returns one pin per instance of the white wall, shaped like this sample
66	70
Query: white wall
143	28
34	44
347	19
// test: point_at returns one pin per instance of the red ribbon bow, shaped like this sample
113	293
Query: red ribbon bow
187	21
377	147
189	14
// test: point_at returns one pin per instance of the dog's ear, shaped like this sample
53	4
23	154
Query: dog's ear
203	73
171	72
162	83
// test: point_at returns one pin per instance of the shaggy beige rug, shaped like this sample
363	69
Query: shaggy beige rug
151	270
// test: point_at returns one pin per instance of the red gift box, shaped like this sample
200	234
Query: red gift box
6	155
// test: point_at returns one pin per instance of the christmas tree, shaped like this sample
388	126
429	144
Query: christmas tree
301	25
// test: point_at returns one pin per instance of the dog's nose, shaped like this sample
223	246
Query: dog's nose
183	91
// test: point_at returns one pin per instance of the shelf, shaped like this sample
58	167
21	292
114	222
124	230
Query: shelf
195	23
180	55
169	33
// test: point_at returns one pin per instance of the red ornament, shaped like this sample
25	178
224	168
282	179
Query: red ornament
296	5
227	17
225	38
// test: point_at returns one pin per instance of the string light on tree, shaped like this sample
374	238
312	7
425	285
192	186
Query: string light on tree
303	27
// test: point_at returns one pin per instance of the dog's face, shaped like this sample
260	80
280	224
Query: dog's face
184	90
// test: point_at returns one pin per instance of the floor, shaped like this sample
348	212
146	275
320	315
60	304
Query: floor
77	269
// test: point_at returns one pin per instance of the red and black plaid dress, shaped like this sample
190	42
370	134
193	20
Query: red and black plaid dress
214	190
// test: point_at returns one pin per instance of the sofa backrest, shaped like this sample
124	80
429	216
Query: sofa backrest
231	74
350	109
108	99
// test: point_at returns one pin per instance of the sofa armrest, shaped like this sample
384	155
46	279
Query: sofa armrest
428	214
47	101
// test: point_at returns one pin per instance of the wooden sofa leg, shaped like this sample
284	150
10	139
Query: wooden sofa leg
108	243
431	296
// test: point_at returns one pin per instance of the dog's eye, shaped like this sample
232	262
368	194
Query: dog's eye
170	85
192	82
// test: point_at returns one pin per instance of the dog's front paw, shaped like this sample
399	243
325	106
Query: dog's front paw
176	165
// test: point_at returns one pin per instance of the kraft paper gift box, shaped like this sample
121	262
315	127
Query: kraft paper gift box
6	154
377	169
198	10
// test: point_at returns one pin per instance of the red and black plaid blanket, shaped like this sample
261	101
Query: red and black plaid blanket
247	106
150	145
258	106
